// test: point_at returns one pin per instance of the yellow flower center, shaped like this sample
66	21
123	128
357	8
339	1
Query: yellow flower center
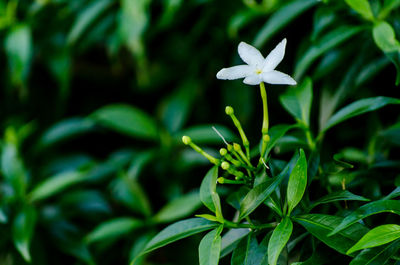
258	71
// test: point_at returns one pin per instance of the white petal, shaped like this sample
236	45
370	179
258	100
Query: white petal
275	57
250	55
254	79
276	77
235	72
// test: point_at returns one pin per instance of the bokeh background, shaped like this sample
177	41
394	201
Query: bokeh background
96	94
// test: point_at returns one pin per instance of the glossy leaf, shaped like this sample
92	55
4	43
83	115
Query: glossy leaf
276	133
231	239
378	236
297	101
343	195
208	192
249	252
297	182
278	240
357	108
113	229
320	225
128	120
179	208
376	255
179	230
281	18
390	206
210	247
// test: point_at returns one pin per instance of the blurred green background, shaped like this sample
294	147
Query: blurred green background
96	94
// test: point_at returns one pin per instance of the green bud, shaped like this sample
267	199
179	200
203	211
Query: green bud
223	151
225	165
229	110
230	147
266	138
237	147
186	140
221	180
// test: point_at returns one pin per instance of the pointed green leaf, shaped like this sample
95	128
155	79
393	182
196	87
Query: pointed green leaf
281	18
376	255
231	239
320	225
343	195
297	182
278	240
113	229
179	208
297	101
128	120
210	247
249	252
362	7
208	192
378	236
388	206
179	230
359	107
276	133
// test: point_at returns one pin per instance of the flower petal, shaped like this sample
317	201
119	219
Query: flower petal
235	72
276	77
254	79
250	55
275	57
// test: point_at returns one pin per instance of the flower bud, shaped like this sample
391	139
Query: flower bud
223	151
237	147
221	180
225	165
186	140
266	138
229	110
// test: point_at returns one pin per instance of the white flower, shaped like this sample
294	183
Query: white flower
258	69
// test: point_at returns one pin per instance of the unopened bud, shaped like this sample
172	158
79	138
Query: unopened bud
221	180
229	110
223	151
225	165
186	140
266	138
236	147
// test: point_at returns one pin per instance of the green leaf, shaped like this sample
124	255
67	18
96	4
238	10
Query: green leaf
385	38
357	108
297	101
22	231
180	207
362	7
113	228
210	247
231	239
320	225
86	18
208	192
130	193
395	193
19	50
378	236
297	182
249	252
56	184
377	255
179	230
343	195
389	206
388	6
261	192
281	18
65	129
278	240
204	134
324	44
128	120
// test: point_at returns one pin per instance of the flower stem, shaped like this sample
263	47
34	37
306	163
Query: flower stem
265	125
229	111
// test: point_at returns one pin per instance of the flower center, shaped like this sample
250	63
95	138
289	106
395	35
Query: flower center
258	71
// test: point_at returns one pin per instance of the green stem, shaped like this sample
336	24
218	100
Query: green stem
265	109
212	159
